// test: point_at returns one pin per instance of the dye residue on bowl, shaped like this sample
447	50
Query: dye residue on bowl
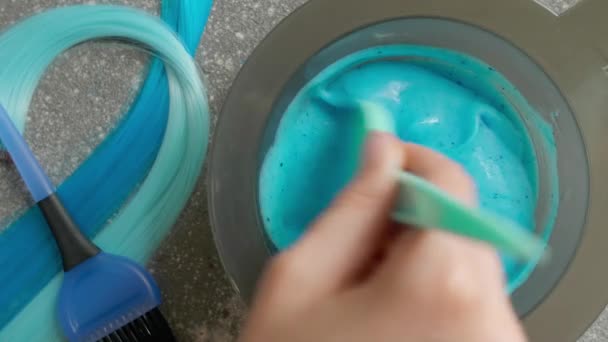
450	102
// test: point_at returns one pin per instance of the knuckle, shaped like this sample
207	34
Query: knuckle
461	184
458	174
280	270
458	289
490	264
457	170
359	196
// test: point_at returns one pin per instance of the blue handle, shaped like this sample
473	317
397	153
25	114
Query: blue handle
35	178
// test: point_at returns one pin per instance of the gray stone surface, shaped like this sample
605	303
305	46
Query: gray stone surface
82	96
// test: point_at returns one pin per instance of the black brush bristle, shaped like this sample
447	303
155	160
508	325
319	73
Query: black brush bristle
150	327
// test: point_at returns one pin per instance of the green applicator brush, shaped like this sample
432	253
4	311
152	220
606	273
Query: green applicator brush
422	204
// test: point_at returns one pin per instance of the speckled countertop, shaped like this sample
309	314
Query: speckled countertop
84	93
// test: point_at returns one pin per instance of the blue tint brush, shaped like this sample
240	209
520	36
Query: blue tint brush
103	297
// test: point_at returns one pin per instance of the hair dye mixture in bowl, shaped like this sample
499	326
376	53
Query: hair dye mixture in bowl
450	102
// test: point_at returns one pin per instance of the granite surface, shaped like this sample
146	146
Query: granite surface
85	92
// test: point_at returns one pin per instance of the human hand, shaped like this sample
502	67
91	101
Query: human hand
357	276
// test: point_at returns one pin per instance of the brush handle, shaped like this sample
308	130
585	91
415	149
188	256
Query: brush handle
422	204
34	177
75	248
73	245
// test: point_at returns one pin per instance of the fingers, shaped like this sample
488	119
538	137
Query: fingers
434	256
449	268
449	177
426	285
342	241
